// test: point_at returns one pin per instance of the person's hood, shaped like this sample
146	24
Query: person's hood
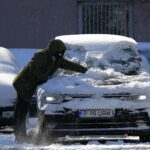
56	46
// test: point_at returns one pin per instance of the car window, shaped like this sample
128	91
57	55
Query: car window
124	60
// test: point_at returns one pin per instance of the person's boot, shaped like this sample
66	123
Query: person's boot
20	114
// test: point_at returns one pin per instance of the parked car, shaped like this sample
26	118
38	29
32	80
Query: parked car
8	70
111	98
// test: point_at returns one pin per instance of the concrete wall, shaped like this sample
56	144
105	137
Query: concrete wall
142	20
31	23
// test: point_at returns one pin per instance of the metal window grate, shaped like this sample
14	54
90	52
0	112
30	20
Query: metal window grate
105	16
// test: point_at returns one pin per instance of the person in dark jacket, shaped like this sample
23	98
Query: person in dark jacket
40	68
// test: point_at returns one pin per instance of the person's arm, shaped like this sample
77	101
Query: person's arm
66	64
35	65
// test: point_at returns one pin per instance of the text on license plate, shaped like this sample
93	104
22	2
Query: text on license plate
100	113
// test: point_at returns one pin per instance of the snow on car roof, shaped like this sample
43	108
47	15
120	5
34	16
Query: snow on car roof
100	42
8	71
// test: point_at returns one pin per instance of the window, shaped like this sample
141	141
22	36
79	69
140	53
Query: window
105	16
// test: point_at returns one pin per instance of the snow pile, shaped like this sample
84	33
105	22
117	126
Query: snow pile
8	71
100	74
97	42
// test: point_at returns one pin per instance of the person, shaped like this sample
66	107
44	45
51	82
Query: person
39	69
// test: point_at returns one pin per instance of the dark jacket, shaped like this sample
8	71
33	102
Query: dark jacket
39	69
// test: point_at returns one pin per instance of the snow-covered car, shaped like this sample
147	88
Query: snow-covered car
8	70
111	98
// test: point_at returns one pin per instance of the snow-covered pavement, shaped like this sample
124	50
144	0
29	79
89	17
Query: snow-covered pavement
7	142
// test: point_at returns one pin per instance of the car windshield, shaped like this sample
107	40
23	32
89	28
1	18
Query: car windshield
124	60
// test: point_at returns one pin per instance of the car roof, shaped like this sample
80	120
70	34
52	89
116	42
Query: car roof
97	41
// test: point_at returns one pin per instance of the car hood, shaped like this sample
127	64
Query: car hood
97	82
106	90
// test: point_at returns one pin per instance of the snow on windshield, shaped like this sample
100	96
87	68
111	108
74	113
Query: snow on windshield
104	52
126	61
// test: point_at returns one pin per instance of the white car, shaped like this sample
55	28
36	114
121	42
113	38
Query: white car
8	70
112	97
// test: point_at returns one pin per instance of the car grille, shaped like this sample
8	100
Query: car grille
123	122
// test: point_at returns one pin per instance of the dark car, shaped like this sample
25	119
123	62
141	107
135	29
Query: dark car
111	98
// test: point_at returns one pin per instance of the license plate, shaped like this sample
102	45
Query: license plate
100	113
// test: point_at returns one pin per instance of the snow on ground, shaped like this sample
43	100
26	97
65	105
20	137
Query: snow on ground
7	142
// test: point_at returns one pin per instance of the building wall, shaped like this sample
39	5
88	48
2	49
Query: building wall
31	23
142	20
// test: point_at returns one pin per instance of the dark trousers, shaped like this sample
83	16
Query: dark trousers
20	113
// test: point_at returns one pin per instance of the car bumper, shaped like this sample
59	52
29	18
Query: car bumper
123	122
6	116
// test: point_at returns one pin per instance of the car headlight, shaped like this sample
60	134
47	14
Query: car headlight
54	99
142	97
